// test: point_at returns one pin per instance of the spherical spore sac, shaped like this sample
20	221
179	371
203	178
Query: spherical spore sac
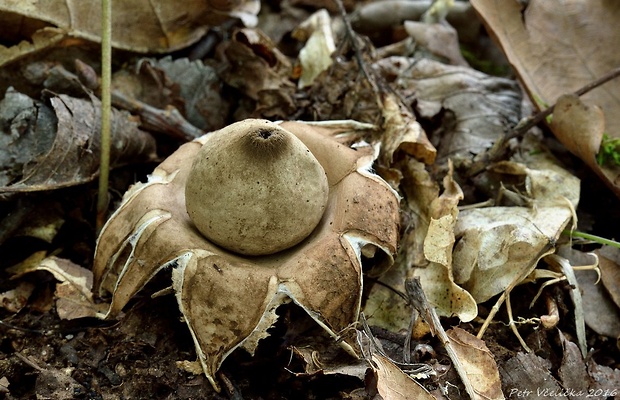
255	188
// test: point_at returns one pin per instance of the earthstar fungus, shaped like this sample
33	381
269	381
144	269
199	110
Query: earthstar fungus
295	182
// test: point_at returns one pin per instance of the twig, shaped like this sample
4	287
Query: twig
418	300
376	348
496	152
358	52
28	361
18	328
106	110
169	122
351	36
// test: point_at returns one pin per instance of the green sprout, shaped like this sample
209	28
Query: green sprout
592	238
609	152
543	105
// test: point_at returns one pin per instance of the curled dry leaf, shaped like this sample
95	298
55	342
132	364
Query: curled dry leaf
316	55
316	358
71	146
437	277
74	298
495	245
42	39
393	383
384	307
425	252
229	300
478	363
448	298
141	26
401	132
15	299
580	127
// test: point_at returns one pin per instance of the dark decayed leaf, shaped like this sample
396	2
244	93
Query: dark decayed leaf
73	156
258	69
199	88
475	108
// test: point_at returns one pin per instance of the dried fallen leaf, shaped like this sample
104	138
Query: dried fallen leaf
478	362
572	372
402	133
42	39
384	307
200	88
15	299
478	107
33	218
256	67
580	127
73	154
526	375
4	385
437	277
449	298
192	87
602	313
551	47
393	383
141	25
469	378
496	245
316	55
440	39
319	357
74	298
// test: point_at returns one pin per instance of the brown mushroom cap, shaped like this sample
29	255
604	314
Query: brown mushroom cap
255	188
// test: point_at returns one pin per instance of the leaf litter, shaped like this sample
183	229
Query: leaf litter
475	242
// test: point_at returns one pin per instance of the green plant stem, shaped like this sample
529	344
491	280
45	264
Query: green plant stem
593	238
106	110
